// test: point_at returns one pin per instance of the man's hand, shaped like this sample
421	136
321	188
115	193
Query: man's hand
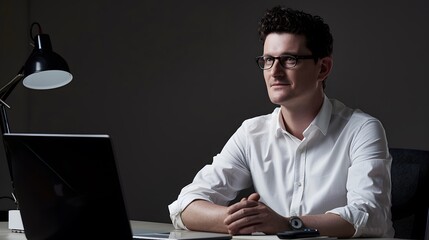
249	216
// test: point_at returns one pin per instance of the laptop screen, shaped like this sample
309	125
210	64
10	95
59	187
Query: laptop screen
67	186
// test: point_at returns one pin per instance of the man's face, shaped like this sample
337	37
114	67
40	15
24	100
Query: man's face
290	87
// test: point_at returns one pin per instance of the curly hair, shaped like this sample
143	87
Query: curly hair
287	20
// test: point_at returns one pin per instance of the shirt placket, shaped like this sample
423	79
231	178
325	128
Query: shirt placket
299	178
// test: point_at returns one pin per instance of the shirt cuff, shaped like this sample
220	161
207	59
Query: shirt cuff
353	216
175	215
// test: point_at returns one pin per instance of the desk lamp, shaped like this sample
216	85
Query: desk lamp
44	69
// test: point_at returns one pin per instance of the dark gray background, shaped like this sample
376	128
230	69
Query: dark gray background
171	81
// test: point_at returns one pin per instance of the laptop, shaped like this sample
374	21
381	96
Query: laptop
68	187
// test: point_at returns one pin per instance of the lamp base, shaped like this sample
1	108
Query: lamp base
15	221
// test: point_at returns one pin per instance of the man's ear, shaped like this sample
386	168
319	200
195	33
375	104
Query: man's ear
326	64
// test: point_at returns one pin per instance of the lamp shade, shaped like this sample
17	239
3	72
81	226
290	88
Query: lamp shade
45	69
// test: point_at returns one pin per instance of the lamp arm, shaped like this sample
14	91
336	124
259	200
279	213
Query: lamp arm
4	93
4	121
8	88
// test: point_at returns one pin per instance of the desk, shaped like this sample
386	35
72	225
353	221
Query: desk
6	234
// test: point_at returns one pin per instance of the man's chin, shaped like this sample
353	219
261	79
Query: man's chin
278	100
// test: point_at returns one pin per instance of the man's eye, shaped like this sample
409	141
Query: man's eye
287	59
268	59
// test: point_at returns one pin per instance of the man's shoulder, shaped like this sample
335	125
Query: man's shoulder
351	117
340	109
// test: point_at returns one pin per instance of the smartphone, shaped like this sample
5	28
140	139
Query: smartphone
303	233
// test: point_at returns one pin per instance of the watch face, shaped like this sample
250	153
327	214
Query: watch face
296	223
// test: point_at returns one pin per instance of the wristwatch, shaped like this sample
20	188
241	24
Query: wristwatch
296	223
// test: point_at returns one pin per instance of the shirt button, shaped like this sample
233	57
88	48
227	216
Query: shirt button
298	184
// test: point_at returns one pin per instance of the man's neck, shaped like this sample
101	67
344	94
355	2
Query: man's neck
296	119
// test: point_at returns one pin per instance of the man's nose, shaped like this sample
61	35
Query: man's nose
277	67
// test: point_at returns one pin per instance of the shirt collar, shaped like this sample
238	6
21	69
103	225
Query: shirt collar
321	121
278	122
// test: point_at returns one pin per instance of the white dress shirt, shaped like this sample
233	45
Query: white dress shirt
341	166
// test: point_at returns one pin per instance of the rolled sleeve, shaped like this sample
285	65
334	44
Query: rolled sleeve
175	215
354	216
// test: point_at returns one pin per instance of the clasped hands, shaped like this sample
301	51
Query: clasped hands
250	215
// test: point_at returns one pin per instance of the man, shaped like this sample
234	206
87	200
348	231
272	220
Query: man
313	162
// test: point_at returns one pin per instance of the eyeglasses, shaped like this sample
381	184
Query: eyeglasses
286	61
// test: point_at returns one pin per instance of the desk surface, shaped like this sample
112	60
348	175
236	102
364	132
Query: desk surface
6	234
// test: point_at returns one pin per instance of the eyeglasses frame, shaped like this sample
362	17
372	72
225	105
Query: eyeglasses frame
297	57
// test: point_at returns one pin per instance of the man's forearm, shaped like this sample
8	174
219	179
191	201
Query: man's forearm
329	225
201	215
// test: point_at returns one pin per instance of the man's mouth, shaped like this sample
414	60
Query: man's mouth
274	84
